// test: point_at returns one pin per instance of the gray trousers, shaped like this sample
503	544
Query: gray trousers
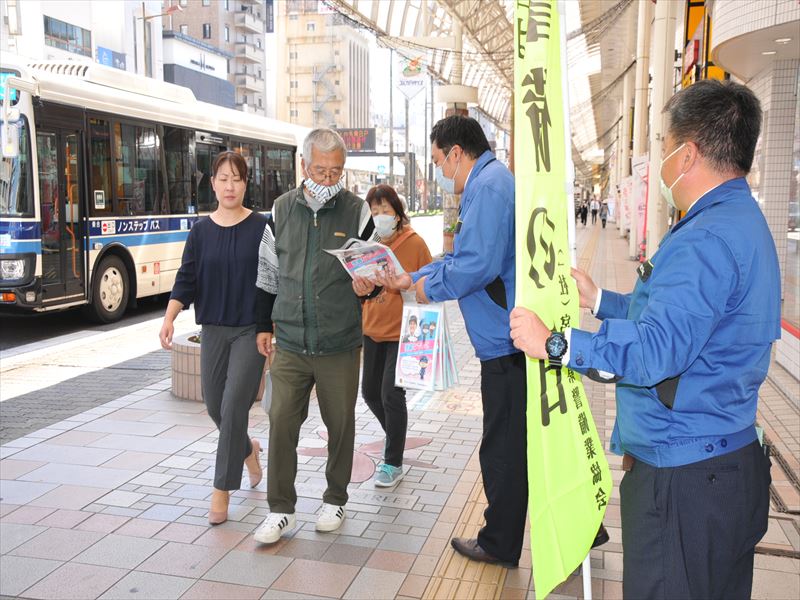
230	373
293	376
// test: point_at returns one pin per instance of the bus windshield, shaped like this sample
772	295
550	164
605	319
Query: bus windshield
16	194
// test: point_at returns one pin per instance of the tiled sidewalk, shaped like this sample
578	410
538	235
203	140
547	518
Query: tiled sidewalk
112	502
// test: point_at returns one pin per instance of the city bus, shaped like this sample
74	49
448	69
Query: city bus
102	175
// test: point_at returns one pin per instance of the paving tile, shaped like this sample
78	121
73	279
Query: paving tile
182	560
283	595
118	498
73	497
11	468
315	577
76	438
308	549
108	425
58	544
141	528
179	462
118	441
152	479
125	552
214	590
80	475
186	432
387	560
64	518
346	554
102	523
164	512
411	544
222	536
27	515
373	583
68	455
248	568
22	492
15	534
74	580
19	573
135	461
180	532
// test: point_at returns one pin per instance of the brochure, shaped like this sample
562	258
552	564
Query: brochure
425	359
365	258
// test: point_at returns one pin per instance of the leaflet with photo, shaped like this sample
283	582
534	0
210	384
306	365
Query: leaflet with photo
365	258
425	360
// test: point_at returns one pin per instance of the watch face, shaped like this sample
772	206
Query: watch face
556	345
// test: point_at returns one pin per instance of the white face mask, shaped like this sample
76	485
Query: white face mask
322	193
448	184
385	225
665	190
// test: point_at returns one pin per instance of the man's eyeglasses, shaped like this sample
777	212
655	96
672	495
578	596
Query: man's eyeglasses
322	173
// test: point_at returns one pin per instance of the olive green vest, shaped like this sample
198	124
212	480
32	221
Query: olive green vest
316	311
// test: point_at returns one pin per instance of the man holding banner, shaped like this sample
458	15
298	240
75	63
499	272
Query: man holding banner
688	349
479	273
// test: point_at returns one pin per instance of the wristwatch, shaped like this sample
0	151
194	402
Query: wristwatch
556	348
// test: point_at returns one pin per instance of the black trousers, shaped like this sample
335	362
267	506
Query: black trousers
594	217
230	373
691	531
386	401
504	464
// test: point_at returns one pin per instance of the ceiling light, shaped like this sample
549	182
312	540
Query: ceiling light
769	52
783	40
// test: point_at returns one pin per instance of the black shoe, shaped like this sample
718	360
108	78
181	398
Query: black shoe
601	537
472	550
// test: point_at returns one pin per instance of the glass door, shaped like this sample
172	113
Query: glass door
60	169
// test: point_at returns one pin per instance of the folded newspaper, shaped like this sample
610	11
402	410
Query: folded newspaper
365	258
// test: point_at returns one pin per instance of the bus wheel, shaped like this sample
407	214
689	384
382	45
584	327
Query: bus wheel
110	291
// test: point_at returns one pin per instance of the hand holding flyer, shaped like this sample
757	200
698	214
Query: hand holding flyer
365	258
425	360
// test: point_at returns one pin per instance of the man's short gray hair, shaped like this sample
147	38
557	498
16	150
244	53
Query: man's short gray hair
324	140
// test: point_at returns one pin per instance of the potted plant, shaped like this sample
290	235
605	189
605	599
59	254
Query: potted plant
448	233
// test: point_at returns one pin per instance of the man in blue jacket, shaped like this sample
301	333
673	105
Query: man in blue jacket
688	349
479	273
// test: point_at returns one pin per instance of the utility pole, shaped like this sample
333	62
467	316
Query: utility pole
391	117
408	165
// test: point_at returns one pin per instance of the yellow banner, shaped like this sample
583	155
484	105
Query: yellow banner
568	478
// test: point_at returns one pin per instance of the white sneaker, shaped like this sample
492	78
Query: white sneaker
271	530
330	517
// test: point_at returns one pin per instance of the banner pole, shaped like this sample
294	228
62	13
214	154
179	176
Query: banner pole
586	571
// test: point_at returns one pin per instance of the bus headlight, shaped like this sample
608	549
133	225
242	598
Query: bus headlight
12	269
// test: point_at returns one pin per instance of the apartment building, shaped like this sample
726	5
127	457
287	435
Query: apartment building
235	28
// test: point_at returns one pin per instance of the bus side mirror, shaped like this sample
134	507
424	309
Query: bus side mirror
9	138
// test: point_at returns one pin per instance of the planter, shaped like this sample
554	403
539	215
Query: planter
186	369
447	246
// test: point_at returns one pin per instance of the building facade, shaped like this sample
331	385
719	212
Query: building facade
323	67
111	33
758	43
235	28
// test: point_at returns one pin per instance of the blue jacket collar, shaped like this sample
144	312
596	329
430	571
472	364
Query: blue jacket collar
724	192
483	160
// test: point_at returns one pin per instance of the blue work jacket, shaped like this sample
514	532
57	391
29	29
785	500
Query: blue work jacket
692	342
483	252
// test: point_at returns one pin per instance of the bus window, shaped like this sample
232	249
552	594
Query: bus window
206	200
137	165
255	189
100	160
16	197
179	168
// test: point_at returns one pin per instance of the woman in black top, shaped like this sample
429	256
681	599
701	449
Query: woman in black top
218	273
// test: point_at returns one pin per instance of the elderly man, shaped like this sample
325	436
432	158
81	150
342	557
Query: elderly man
688	349
317	326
